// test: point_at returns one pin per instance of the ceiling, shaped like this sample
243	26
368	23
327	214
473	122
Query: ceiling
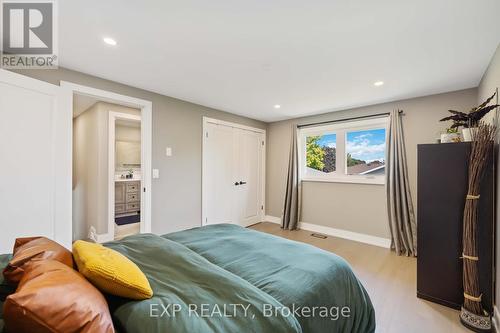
82	103
309	57
128	123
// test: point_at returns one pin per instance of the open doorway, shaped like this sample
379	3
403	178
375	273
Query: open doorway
126	171
111	164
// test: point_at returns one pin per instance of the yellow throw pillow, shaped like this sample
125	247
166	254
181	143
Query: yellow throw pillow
111	271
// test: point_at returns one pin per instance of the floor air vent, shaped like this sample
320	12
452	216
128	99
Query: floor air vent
319	236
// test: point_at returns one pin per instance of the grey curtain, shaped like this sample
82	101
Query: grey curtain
399	203
292	206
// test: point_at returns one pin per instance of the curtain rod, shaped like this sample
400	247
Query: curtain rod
346	119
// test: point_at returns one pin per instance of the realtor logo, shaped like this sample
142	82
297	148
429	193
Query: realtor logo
28	34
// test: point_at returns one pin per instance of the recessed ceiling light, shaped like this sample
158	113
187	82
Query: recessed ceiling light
378	83
109	41
277	106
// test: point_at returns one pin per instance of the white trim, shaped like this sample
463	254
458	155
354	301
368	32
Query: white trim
230	124
264	175
146	107
495	319
203	173
354	124
112	117
346	234
146	166
27	82
207	120
370	180
340	129
371	170
106	96
98	238
272	219
103	238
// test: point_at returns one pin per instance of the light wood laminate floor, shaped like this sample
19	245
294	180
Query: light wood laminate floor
127	230
390	281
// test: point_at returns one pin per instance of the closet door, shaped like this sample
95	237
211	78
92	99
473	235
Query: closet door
35	150
249	176
232	175
218	174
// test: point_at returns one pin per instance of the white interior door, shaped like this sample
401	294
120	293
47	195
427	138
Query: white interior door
219	174
233	175
249	174
35	167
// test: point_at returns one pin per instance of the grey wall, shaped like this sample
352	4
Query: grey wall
90	168
491	79
176	199
490	82
85	172
358	207
176	195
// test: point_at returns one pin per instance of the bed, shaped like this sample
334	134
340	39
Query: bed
5	288
247	281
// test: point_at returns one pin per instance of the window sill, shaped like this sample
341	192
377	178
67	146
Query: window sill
353	180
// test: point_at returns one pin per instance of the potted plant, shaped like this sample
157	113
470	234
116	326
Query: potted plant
451	135
470	120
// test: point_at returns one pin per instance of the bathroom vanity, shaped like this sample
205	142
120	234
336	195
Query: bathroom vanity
127	197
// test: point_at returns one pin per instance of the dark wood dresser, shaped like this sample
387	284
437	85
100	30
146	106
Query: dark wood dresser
442	187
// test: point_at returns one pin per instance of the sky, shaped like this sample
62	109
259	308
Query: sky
328	140
367	145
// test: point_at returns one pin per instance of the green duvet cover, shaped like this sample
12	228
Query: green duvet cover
295	274
5	288
224	278
191	294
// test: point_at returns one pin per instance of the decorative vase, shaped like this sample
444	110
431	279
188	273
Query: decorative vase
467	133
474	322
450	137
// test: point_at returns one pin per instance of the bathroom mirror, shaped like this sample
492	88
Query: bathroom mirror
128	155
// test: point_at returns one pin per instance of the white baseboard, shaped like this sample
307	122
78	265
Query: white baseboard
99	238
272	219
346	234
103	238
496	319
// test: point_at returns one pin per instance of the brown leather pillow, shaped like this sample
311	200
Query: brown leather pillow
52	297
27	249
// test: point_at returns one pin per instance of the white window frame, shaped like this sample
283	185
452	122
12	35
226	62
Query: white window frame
340	129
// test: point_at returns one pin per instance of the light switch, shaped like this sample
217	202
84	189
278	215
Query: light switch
168	151
156	173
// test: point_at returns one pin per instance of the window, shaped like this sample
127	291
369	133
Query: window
321	153
365	152
344	152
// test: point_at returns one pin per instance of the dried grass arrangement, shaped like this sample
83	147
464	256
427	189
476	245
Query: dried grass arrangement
473	315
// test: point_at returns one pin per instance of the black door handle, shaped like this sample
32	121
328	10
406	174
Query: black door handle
236	183
242	182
